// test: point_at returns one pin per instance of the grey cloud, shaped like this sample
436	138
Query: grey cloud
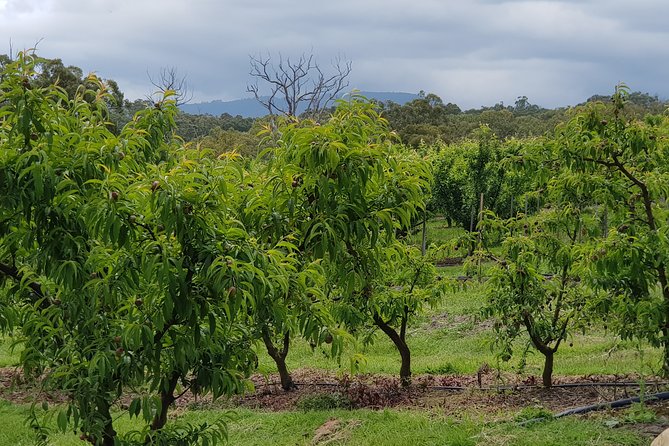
469	52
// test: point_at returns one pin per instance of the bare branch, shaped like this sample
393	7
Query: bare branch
169	80
297	85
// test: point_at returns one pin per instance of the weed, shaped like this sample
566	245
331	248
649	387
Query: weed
324	401
639	413
533	413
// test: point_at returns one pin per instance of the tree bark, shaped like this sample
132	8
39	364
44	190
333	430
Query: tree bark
108	433
166	399
543	347
547	375
279	357
402	347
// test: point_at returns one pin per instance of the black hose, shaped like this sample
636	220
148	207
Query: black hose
496	388
555	386
614	404
599	406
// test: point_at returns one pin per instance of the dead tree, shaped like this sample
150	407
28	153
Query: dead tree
169	80
297	86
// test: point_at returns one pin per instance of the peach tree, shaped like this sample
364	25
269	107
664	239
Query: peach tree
335	193
622	161
126	274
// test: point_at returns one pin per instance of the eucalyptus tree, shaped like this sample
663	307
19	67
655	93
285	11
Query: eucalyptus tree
298	85
127	269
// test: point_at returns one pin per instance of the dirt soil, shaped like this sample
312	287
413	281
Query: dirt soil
497	398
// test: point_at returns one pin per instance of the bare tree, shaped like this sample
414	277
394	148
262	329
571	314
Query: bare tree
296	85
169	80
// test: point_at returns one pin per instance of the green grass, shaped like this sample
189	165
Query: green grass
362	427
445	340
9	356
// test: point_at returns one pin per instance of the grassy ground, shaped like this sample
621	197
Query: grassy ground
9	355
447	339
362	427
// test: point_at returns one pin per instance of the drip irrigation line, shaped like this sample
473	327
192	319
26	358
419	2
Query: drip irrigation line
555	386
614	404
661	396
497	388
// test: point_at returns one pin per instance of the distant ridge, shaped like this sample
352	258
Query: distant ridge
250	108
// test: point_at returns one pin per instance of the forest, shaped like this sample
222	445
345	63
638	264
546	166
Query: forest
464	277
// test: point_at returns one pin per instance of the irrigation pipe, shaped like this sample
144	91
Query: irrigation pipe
497	388
614	404
661	396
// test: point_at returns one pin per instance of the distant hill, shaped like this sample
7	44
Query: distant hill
251	108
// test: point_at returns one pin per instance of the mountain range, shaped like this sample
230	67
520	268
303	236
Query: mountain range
251	108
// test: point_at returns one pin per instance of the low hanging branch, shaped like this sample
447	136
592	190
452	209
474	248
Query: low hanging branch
13	273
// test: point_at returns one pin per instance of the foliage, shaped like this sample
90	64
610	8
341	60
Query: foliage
333	193
220	141
193	127
536	286
621	162
429	121
125	259
464	171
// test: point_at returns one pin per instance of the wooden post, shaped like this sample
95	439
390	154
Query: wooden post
423	246
511	211
480	234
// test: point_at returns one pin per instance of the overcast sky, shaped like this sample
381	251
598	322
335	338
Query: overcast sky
470	52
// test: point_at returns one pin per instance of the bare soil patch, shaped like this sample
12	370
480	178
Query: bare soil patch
497	398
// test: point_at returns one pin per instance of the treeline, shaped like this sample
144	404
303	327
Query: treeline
429	120
425	121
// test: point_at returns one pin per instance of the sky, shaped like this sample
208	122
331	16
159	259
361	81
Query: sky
469	52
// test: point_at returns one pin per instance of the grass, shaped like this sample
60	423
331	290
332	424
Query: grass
444	340
9	356
362	427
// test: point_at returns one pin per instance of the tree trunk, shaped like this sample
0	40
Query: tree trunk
166	399
662	275
547	374
279	357
402	347
108	434
665	354
405	367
